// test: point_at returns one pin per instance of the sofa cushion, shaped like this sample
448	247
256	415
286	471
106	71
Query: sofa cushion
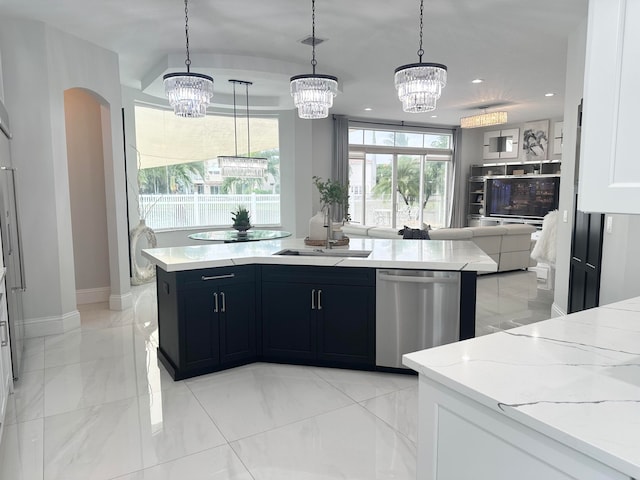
487	231
383	232
519	229
517	238
489	239
450	234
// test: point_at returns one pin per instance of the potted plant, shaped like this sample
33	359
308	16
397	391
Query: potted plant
241	220
333	193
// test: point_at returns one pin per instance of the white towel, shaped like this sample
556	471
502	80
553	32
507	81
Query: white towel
545	248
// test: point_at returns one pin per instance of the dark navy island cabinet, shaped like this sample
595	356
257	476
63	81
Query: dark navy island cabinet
319	315
206	319
217	318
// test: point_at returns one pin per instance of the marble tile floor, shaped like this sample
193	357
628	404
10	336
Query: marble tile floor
95	404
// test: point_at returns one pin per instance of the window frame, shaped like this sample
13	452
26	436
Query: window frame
425	154
214	189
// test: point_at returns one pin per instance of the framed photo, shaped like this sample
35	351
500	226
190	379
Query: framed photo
535	140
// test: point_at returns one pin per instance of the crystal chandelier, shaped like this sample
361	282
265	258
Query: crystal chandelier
235	165
483	120
189	93
313	93
420	84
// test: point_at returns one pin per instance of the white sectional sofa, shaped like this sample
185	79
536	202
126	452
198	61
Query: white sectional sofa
509	245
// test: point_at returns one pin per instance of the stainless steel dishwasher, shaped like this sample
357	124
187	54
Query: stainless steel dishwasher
415	309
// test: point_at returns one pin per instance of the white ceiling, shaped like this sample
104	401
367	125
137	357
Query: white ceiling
517	46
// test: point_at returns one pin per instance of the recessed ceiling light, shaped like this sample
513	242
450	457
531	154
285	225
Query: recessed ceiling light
477	80
550	94
368	109
434	116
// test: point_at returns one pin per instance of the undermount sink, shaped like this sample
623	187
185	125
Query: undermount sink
321	252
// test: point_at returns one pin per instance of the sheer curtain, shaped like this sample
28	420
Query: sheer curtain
340	156
457	199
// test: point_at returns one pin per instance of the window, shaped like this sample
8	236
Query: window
399	178
183	184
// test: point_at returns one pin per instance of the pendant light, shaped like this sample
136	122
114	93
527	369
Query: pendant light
484	120
189	93
313	93
420	84
236	165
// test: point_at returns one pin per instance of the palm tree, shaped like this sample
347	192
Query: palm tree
170	178
408	181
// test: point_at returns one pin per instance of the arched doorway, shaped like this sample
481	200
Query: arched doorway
84	114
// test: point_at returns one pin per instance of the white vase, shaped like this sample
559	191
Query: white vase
317	229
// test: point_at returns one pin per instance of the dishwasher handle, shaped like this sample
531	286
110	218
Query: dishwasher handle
411	279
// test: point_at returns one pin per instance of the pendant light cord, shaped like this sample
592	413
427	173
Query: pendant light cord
248	129
235	122
313	36
420	50
235	115
187	62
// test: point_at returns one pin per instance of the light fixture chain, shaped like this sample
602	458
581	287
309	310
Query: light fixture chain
420	50
313	36
248	129
235	122
187	62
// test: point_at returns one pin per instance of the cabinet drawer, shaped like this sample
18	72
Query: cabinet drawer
317	275
215	276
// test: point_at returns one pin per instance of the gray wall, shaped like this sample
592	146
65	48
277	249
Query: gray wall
86	190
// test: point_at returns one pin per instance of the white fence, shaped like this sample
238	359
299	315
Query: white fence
379	211
197	210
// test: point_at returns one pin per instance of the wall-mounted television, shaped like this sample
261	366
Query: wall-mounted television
522	197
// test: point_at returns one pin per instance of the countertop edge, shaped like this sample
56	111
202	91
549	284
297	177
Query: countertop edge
174	259
580	445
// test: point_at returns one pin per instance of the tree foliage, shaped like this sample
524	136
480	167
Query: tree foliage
408	180
170	178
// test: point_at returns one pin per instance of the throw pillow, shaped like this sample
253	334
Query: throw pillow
414	234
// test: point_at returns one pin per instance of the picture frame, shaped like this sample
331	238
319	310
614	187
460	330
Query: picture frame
535	140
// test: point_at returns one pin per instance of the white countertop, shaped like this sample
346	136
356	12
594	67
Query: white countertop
409	254
574	378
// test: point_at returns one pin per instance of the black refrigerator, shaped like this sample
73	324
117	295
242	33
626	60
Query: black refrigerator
11	245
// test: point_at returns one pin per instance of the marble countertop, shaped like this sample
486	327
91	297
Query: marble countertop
575	379
409	254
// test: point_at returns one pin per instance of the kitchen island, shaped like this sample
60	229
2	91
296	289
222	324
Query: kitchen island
559	399
224	305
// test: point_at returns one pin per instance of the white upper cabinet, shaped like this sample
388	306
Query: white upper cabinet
610	151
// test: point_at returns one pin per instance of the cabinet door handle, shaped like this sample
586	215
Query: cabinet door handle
5	334
215	303
224	303
218	277
319	299
313	299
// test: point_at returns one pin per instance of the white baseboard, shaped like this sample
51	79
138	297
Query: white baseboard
121	302
39	327
556	311
92	295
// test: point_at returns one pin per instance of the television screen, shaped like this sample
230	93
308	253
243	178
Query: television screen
522	197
